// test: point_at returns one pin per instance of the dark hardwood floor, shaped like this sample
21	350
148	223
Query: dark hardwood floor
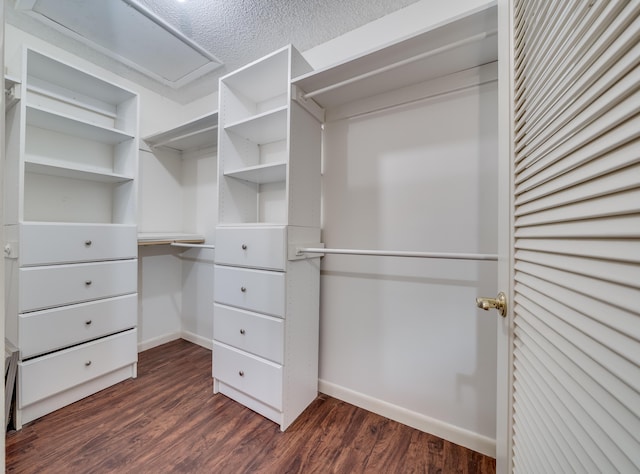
168	420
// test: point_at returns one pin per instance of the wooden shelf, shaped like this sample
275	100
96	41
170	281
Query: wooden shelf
465	42
196	134
49	120
165	238
261	174
268	127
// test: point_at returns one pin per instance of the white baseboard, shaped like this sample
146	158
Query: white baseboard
196	339
158	341
452	433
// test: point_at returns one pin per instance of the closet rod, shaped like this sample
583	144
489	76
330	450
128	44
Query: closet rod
389	67
400	253
198	246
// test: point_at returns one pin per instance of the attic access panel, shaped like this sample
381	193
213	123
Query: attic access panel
127	32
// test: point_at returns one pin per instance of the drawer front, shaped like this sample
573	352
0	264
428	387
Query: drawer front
250	332
252	247
43	244
57	285
52	329
256	377
256	290
53	373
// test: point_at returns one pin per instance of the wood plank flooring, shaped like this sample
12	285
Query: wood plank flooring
168	420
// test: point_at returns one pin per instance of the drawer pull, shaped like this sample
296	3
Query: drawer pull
241	373
88	282
244	246
88	322
242	331
87	363
87	243
243	289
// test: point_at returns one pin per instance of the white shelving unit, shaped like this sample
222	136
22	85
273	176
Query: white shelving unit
265	329
195	138
70	233
197	134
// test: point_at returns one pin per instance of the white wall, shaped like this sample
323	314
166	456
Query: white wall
177	194
406	332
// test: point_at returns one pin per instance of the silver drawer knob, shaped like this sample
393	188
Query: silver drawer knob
88	282
241	373
243	289
87	363
88	322
244	246
242	331
87	243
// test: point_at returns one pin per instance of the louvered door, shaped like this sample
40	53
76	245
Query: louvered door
576	262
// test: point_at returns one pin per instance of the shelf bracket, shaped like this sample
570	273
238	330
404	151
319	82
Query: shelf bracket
308	104
294	254
11	249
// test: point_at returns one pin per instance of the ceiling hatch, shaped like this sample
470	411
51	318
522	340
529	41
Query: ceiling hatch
130	33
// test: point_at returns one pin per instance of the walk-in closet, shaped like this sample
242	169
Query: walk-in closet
386	223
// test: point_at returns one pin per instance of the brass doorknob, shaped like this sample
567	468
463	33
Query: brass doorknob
499	303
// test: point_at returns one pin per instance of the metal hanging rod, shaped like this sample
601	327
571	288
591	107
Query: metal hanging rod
389	67
400	253
196	246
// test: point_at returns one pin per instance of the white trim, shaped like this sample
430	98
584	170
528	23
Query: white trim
196	339
158	341
454	434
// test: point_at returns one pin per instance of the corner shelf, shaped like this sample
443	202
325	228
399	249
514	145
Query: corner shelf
196	134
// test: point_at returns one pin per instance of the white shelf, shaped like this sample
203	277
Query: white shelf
51	168
196	134
268	127
462	43
69	78
261	174
67	125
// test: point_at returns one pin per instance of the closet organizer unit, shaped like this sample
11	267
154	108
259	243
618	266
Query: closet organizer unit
70	234
265	330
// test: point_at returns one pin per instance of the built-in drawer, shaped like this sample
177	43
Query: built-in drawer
51	243
256	290
256	333
57	285
255	247
252	375
52	329
53	373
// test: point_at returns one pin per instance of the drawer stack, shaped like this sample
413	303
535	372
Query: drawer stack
265	331
265	349
77	312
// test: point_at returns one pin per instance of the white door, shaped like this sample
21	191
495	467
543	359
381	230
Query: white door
569	348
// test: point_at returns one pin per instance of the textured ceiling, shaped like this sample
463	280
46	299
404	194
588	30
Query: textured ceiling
235	31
